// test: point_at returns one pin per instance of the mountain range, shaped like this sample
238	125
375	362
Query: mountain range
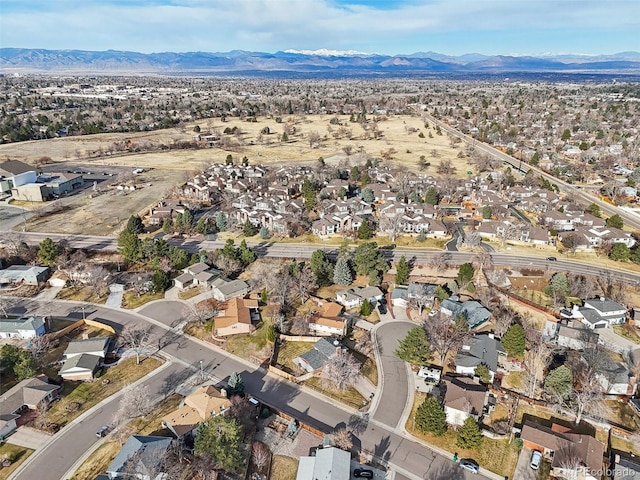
305	62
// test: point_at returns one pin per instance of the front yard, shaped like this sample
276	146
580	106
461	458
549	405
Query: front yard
290	350
15	454
85	395
132	300
350	397
498	456
100	459
82	294
627	331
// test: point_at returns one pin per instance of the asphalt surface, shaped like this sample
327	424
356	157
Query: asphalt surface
395	382
372	436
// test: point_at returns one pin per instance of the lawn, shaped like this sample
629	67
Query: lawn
351	396
88	394
18	454
190	293
627	331
622	413
132	300
514	380
100	459
248	346
495	455
83	294
370	371
283	468
624	445
290	350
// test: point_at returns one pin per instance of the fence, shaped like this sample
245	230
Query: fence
80	323
298	338
283	374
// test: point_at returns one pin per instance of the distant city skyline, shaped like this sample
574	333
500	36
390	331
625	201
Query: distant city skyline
390	27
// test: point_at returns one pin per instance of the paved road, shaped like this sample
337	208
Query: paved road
11	216
286	250
410	456
395	382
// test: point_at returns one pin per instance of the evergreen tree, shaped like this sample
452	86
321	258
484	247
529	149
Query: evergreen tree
221	222
167	226
130	246
25	366
342	192
229	250
322	268
367	259
441	293
179	258
247	255
264	233
535	159
364	231
135	224
431	418
620	252
615	221
367	195
414	348
219	441
202	227
402	271
309	194
248	230
366	308
487	212
229	160
187	219
160	281
514	340
48	252
594	209
482	372
432	197
235	385
342	271
465	273
558	382
469	436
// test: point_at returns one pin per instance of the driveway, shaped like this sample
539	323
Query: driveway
523	470
613	340
401	314
29	438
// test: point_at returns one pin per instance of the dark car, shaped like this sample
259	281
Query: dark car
552	259
382	308
362	473
470	465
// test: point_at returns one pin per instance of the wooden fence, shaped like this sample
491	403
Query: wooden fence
80	323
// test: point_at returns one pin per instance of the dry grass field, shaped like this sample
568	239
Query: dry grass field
105	213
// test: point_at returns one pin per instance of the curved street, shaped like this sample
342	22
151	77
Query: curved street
404	455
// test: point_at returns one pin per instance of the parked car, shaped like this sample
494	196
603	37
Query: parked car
363	473
469	465
103	430
552	259
382	308
536	459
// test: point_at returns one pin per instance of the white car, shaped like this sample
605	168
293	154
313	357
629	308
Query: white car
430	375
536	459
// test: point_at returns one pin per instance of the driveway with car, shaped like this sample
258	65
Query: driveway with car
523	470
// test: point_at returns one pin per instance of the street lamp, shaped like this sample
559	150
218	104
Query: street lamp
201	374
83	307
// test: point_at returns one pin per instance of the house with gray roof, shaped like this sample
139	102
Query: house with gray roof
82	358
608	310
481	349
330	463
22	328
625	466
198	274
140	458
28	394
224	289
473	311
26	274
317	357
463	397
353	297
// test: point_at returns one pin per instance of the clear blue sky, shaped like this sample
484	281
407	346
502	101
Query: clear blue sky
509	27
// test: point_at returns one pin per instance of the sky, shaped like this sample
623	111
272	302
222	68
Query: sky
453	27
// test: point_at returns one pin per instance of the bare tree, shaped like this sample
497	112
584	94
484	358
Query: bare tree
135	402
536	360
340	372
440	261
444	337
96	280
38	346
342	439
229	266
300	324
204	310
392	225
305	282
421	298
364	345
260	455
138	339
6	304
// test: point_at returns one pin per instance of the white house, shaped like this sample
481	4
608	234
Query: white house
611	311
82	357
22	328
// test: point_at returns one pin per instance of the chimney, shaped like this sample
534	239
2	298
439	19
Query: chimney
491	335
223	392
85	336
602	299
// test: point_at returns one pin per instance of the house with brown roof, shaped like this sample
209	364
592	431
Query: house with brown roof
573	455
206	401
464	397
327	320
237	317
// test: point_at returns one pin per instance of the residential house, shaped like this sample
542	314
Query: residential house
140	458
463	397
329	463
625	466
472	311
28	394
482	349
353	297
22	328
573	455
198	274
224	289
316	358
82	358
616	379
205	402
576	336
611	311
238	316
26	274
399	296
327	319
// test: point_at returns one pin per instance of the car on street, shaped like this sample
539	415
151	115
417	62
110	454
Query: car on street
552	259
536	458
363	473
469	465
102	431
